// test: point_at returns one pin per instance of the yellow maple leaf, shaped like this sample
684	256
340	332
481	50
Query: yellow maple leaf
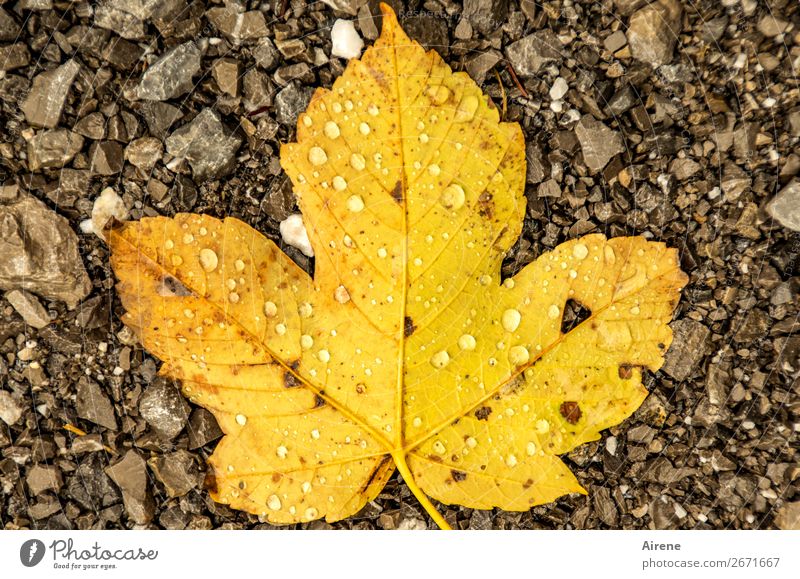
404	350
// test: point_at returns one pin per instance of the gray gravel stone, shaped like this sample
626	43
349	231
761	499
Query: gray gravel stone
689	345
54	148
653	31
785	206
238	27
125	17
598	142
171	75
130	475
10	409
291	101
207	146
144	153
164	408
93	405
41	252
43	478
45	101
176	471
529	54
30	308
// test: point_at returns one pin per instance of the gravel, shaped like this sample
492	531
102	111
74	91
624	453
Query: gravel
640	118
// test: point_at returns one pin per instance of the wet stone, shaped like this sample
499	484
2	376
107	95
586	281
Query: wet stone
106	157
130	475
171	75
43	478
528	55
176	471
689	345
202	429
653	31
291	101
206	145
41	252
45	101
54	148
92	404
10	409
785	206
598	143
29	307
164	408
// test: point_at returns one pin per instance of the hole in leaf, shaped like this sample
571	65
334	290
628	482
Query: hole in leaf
574	313
171	287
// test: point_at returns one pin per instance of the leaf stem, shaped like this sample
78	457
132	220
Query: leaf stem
400	461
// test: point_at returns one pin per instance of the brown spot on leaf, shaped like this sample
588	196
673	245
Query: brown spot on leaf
210	482
458	475
527	484
397	192
360	388
276	477
434	458
319	402
290	380
625	371
483	413
570	411
408	327
171	287
486	205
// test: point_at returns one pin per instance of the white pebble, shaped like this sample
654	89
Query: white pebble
345	40
559	89
293	232
106	206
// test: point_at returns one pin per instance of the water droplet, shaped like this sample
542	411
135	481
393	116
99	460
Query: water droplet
241	419
485	279
434	170
188	313
230	283
282	451
453	197
531	449
306	341
331	130
233	297
305	310
280	329
382	253
339	183
176	260
239	265
423	138
580	251
511	320
324	356
511	460
518	355
337	108
439	94
439	448
609	255
305	487
635	310
208	259
417	422
542	426
355	203
317	156
467	342
315	434
440	359
471	442
358	162
373	110
188	238
364	129
168	244
274	502
553	311
270	309
466	109
311	513
307	121
341	294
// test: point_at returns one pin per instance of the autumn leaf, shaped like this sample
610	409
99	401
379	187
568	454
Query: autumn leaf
404	350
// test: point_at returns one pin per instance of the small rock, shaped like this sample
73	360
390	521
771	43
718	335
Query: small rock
528	55
176	471
559	88
130	475
653	32
40	252
164	408
106	157
90	487
144	153
206	145
770	26
29	308
754	326
598	142
238	27
125	17
203	428
265	54
9	29
479	65
485	16
93	405
347	6
10	409
785	206
45	101
345	41
53	148
430	30
291	101
14	56
92	126
717	385
43	478
788	517
604	506
108	205
615	41
689	345
171	75
226	74
160	117
549	188
293	232
684	169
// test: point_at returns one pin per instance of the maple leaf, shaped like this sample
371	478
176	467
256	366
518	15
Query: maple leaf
404	350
